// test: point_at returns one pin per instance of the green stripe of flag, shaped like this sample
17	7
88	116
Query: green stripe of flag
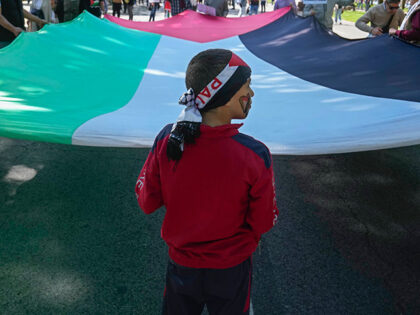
54	80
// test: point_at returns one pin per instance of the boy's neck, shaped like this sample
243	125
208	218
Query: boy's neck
216	118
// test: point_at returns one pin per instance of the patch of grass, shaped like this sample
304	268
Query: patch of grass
352	16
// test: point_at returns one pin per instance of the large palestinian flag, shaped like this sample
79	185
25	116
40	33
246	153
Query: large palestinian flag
94	82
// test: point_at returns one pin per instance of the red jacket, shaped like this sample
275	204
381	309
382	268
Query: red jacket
414	32
219	197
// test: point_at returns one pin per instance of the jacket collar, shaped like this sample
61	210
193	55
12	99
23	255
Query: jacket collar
219	131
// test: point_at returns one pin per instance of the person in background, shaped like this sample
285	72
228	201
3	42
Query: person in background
324	12
66	10
44	9
263	2
368	3
410	27
242	5
154	6
285	3
105	9
382	17
316	10
221	6
116	7
253	6
130	6
178	6
12	20
95	7
300	6
218	188
338	11
193	4
167	8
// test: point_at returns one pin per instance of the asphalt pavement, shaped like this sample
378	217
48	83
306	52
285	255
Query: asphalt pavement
73	240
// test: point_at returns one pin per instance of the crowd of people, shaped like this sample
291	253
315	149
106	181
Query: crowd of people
384	18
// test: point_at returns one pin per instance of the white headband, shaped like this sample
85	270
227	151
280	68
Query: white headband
194	102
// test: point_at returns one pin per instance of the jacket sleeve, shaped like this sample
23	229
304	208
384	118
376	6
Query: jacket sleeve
307	10
397	19
414	33
263	212
148	186
361	23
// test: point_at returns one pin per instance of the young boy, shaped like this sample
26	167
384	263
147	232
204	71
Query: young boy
217	186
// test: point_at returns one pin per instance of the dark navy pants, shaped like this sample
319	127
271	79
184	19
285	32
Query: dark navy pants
224	291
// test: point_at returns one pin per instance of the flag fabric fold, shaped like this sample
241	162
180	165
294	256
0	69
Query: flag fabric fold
93	82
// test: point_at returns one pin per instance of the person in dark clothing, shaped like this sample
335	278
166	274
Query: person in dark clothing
217	185
130	6
116	7
263	6
59	10
153	8
221	6
66	10
12	23
95	7
253	6
178	6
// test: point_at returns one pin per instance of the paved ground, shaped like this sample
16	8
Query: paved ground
73	240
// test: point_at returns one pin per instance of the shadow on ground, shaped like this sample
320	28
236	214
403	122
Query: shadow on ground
74	241
371	203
